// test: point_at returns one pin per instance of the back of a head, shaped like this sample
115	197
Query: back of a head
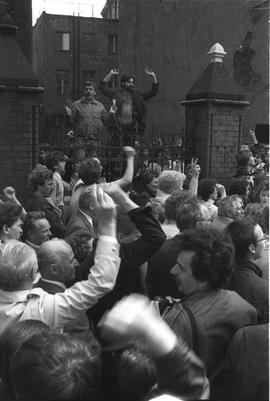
10	212
226	206
213	255
90	171
56	367
11	340
187	214
239	186
18	265
173	202
255	211
170	180
206	187
136	373
50	252
242	234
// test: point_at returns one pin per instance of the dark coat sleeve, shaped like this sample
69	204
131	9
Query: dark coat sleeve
152	238
103	87
182	374
152	93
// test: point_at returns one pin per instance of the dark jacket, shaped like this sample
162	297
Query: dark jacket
218	315
246	372
247	281
79	221
137	100
132	255
52	214
158	280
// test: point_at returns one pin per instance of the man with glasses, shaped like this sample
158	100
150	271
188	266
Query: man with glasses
247	281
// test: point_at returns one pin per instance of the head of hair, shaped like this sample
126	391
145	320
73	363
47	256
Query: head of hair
125	78
136	373
85	200
44	146
58	366
90	83
242	158
242	233
54	158
29	222
12	338
10	212
188	214
239	186
226	206
18	265
263	186
38	177
79	242
173	202
170	181
213	255
90	171
255	211
206	187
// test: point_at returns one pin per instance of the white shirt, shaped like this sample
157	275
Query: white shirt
60	309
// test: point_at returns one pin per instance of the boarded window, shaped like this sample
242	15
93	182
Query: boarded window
62	82
113	44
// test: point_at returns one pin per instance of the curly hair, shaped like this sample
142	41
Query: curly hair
39	176
90	171
206	187
54	158
173	202
239	186
263	186
255	211
213	255
170	180
10	212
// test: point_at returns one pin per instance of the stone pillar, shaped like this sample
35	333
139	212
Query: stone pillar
19	106
214	119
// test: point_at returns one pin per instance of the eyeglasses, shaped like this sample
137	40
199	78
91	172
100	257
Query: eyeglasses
265	238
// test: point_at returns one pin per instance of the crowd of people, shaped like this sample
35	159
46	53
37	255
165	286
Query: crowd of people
153	285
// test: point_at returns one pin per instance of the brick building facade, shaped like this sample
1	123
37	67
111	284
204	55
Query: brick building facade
67	50
19	97
173	38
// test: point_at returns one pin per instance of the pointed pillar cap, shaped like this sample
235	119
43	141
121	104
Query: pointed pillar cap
216	53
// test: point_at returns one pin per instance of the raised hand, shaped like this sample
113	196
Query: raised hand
9	194
129	151
104	206
149	71
195	167
115	71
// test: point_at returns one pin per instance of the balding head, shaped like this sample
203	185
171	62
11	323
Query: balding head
56	260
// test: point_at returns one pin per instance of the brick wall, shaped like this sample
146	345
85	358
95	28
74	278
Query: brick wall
214	134
18	115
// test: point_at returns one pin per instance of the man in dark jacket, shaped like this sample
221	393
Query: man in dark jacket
129	104
249	242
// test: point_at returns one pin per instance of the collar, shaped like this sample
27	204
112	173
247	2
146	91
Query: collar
34	246
85	101
247	264
89	219
59	283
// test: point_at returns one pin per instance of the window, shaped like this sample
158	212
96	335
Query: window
88	76
114	12
63	41
89	44
62	82
113	44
